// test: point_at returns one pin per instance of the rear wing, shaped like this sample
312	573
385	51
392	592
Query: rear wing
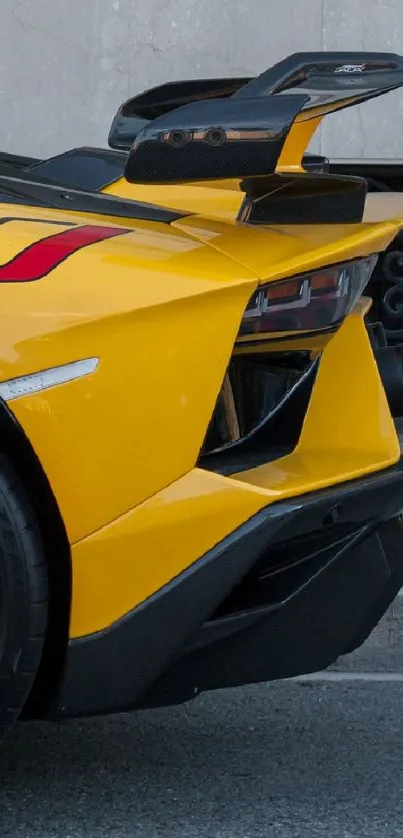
218	138
136	112
331	80
328	81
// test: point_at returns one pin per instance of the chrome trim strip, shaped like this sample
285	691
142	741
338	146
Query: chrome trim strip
35	382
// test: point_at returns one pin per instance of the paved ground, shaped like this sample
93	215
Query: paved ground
383	651
293	759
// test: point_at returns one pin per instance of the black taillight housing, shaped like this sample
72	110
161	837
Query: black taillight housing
308	302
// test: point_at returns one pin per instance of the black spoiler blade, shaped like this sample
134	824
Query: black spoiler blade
137	111
330	80
220	138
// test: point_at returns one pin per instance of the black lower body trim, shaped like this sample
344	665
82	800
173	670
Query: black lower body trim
301	583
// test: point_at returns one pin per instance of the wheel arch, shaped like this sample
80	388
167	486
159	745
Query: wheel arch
16	445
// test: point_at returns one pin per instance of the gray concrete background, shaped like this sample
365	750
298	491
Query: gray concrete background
65	66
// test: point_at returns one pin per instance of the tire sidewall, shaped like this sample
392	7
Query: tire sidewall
14	608
23	596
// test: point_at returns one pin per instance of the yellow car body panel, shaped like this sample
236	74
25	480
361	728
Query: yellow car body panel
156	541
279	252
296	144
170	292
76	312
218	199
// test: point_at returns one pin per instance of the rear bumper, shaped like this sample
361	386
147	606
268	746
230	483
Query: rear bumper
248	610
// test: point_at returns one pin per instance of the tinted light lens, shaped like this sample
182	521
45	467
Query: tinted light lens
309	302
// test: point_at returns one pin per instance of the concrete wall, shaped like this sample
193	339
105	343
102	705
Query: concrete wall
65	65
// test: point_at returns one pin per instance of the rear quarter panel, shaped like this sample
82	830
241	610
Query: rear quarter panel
160	306
161	312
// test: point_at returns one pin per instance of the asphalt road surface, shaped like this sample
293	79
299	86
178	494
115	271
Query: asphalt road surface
292	759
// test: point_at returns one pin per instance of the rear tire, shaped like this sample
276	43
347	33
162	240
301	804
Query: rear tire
23	596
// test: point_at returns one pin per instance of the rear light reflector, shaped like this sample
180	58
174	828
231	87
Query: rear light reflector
309	302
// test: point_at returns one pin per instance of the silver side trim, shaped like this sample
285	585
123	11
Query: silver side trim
24	385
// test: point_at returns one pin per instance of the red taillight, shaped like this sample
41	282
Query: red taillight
309	302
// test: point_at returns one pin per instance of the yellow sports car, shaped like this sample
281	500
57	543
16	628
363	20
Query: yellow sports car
200	473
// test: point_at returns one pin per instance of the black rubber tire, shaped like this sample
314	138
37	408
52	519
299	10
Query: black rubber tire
23	596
